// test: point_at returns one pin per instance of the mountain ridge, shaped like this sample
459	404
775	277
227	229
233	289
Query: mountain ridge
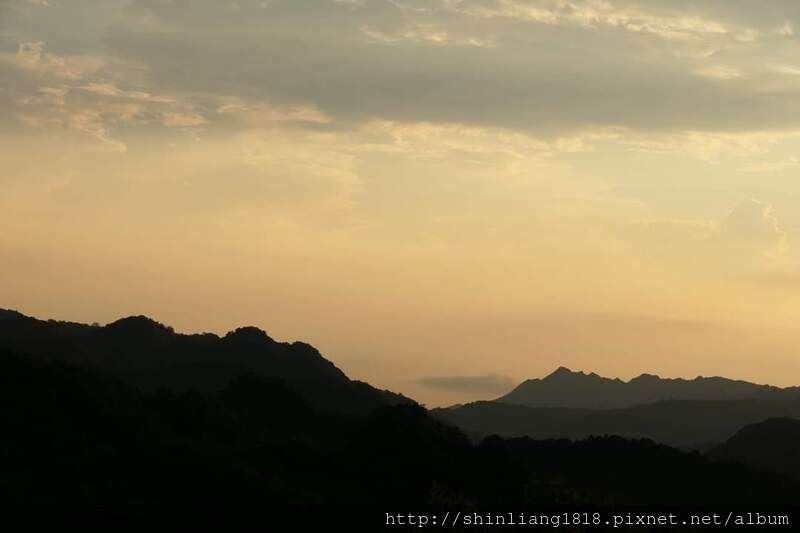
679	423
576	389
153	356
75	436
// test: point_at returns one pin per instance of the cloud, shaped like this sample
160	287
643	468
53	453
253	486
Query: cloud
719	72
594	13
508	64
421	34
97	96
749	241
710	146
789	70
772	166
41	3
486	384
33	58
752	227
786	30
665	67
110	90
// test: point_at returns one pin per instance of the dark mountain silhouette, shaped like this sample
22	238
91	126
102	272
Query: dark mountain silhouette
681	423
697	413
134	413
76	436
153	356
565	388
773	444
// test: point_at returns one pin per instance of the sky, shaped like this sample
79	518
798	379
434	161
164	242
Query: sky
445	197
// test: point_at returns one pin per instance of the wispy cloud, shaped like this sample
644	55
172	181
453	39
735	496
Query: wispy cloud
487	384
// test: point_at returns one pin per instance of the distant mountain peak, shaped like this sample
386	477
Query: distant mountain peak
249	334
569	388
645	377
562	371
138	324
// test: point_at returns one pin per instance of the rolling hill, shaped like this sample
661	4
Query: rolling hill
683	423
75	436
153	356
773	444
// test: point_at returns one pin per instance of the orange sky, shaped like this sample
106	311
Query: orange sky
469	189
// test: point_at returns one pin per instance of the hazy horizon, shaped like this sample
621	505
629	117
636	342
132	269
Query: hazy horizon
449	389
423	190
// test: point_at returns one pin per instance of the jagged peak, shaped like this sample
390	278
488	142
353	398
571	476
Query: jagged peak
562	371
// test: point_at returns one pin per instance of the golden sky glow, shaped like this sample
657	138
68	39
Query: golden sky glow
439	188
